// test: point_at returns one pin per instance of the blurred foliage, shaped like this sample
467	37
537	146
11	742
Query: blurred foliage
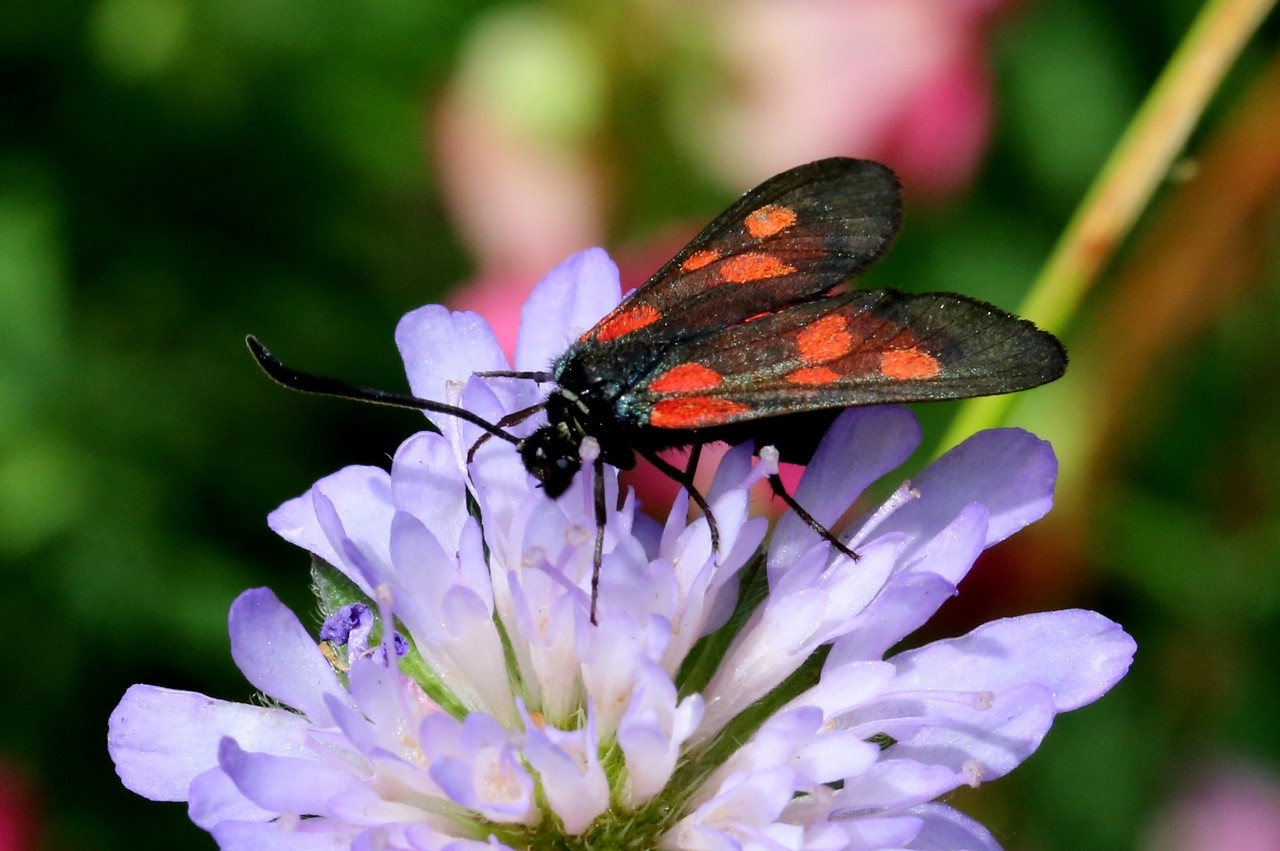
176	173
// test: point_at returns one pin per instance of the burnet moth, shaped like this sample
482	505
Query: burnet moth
748	333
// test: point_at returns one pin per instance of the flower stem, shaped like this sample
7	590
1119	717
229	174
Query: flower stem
1131	175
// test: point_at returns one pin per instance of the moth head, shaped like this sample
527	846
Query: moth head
551	455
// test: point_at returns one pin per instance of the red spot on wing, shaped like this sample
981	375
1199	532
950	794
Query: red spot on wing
826	339
752	266
698	259
906	364
693	412
769	220
813	376
621	323
685	378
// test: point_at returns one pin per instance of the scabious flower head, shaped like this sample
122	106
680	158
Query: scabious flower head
460	696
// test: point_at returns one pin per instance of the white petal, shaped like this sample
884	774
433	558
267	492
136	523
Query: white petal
811	604
285	835
862	445
214	798
978	741
281	783
946	829
161	739
426	482
892	784
440	346
361	499
573	780
652	731
565	305
1078	655
275	653
903	605
1008	471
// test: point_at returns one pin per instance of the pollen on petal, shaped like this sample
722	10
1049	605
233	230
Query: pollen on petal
698	259
686	378
753	266
906	364
769	220
826	339
624	323
694	412
812	376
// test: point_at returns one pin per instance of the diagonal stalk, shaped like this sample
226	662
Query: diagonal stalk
1127	181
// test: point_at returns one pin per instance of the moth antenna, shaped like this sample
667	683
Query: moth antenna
540	377
305	382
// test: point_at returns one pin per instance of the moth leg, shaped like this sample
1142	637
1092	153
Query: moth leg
684	478
695	455
513	418
775	482
598	558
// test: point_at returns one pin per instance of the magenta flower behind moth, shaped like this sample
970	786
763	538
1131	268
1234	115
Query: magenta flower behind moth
740	699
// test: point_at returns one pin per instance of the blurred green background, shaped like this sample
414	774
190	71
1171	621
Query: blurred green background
177	173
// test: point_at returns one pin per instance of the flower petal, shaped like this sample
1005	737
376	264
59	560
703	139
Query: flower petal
161	739
892	784
214	798
1078	655
977	740
285	835
427	483
440	346
361	498
946	829
810	606
275	653
1008	471
568	762
565	305
653	729
281	783
904	604
862	445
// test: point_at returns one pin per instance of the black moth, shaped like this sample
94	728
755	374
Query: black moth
746	334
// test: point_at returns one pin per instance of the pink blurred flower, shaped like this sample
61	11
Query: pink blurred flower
516	136
902	81
510	140
1230	804
520	206
19	811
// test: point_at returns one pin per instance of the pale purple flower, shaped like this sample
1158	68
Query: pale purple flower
496	715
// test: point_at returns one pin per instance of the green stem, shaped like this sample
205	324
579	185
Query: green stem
1129	178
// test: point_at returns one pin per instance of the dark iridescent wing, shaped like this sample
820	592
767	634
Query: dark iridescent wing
790	239
858	348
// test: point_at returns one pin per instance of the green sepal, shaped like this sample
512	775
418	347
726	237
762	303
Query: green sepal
333	590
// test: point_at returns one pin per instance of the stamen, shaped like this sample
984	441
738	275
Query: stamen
904	495
769	460
973	773
337	628
575	535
